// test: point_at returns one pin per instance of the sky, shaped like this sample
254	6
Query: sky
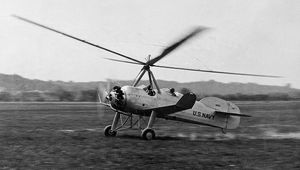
249	36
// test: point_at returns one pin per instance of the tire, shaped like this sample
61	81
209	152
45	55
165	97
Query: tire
108	132
148	134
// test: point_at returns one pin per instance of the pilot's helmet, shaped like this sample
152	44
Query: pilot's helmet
172	90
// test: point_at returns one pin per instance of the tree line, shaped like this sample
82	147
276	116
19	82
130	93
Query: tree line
58	95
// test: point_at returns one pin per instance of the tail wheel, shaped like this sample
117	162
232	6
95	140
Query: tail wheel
148	134
108	132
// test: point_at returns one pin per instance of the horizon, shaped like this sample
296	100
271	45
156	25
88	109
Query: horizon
116	80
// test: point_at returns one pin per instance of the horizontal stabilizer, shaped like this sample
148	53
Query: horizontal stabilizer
231	114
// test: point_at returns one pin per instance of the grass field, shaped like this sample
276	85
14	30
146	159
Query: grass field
69	136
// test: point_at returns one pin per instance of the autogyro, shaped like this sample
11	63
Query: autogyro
153	102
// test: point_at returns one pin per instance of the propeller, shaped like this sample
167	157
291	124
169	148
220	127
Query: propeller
199	70
110	97
103	93
218	72
75	38
178	43
103	98
175	45
146	65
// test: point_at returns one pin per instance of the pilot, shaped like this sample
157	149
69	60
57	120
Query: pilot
172	91
150	91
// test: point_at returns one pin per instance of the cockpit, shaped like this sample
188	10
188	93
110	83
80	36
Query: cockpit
149	90
172	91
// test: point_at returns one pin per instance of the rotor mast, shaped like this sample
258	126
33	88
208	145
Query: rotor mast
146	68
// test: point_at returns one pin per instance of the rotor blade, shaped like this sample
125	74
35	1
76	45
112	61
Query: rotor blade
176	44
219	72
75	38
122	61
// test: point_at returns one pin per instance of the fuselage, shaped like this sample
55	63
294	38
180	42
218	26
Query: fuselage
138	100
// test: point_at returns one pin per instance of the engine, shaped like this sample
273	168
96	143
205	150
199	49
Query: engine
117	98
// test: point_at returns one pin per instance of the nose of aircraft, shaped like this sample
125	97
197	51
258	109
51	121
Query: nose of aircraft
117	98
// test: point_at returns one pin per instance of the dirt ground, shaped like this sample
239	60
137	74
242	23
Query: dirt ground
69	136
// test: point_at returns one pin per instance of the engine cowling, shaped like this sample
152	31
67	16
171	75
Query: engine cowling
117	98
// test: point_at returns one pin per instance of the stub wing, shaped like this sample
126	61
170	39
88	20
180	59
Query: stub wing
187	101
231	114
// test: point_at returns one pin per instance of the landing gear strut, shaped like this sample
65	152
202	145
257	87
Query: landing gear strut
110	130
148	133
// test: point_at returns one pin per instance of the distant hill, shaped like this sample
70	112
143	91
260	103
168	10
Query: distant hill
16	83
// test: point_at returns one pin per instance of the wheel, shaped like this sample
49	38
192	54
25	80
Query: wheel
108	132
148	134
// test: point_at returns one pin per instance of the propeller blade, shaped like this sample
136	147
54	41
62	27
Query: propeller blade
102	99
122	61
219	72
108	85
75	38
176	45
102	93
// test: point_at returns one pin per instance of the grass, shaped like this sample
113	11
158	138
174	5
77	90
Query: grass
34	136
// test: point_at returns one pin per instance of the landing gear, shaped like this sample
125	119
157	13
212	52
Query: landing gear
148	134
108	132
111	130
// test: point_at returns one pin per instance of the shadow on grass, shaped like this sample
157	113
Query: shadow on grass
164	138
